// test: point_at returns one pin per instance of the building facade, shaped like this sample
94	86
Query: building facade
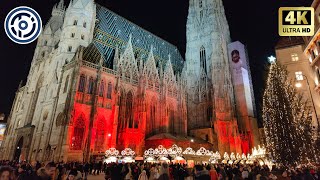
99	81
290	53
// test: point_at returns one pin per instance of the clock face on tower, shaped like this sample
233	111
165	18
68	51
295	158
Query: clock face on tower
235	56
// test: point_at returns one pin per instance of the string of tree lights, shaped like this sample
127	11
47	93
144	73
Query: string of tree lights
287	120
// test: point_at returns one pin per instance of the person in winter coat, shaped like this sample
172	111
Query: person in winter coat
143	175
47	172
164	172
213	173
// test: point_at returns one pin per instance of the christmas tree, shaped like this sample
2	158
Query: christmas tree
287	120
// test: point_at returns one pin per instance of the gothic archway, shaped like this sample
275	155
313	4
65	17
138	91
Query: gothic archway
129	109
171	119
100	135
78	133
18	149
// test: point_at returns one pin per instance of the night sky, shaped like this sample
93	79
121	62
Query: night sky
253	22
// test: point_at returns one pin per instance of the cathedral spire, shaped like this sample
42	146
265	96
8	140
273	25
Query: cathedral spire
61	4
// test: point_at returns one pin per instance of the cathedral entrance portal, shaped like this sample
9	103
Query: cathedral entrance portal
18	149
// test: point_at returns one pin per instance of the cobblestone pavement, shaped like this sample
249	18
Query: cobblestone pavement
97	177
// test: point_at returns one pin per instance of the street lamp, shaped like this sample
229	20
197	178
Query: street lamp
298	85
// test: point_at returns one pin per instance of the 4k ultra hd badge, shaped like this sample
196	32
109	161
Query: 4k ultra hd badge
296	21
23	25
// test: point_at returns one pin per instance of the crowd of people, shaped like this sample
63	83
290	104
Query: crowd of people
11	170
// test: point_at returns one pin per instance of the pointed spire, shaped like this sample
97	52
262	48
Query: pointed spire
70	3
61	4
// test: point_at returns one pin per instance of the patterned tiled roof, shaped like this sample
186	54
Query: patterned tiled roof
113	31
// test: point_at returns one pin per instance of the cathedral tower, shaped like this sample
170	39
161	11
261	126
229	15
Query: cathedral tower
210	88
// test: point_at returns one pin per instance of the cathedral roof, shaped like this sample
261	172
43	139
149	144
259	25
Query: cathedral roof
288	41
113	31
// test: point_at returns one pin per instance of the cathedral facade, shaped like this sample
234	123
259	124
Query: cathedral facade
99	81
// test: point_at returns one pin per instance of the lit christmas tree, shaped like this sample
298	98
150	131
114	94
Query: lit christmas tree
287	119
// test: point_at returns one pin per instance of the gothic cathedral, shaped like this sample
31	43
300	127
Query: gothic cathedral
99	81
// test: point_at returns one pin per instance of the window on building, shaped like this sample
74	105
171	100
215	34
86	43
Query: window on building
82	83
43	54
101	89
203	61
109	92
75	22
82	37
100	135
45	43
84	24
69	48
78	134
171	119
201	15
152	115
318	74
294	57
129	110
209	113
66	84
90	87
299	75
72	35
200	4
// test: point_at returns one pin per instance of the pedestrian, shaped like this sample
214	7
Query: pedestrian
164	172
47	172
143	175
213	173
6	173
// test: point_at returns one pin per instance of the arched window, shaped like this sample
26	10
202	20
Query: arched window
203	61
200	4
129	110
101	89
45	43
171	119
78	134
84	24
109	92
153	116
82	83
66	84
101	135
209	113
121	103
75	22
90	87
318	74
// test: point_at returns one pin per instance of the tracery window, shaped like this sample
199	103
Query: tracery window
66	84
152	115
109	90
129	110
209	113
203	61
82	83
101	89
78	134
101	135
90	87
171	118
